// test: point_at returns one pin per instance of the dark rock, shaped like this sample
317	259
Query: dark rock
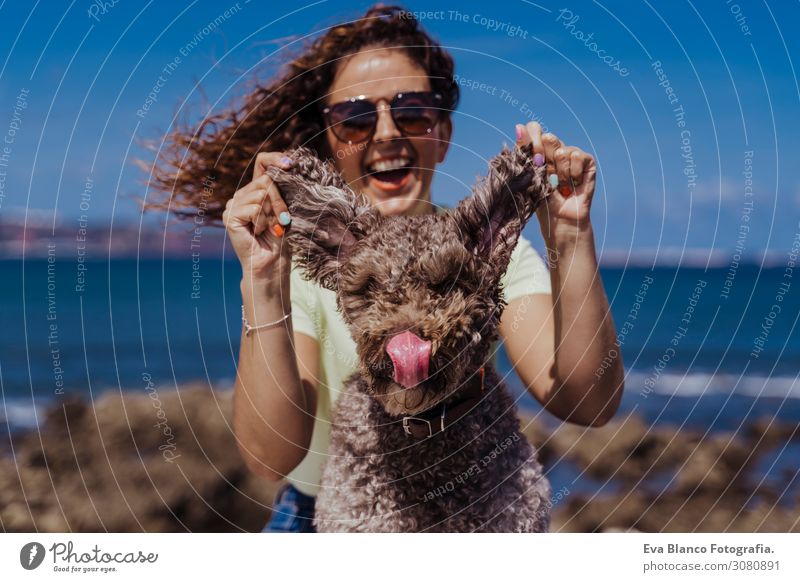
627	450
669	480
131	463
715	465
767	432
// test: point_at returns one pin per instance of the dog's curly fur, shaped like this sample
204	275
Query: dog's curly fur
439	276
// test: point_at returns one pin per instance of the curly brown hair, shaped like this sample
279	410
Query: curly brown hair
203	166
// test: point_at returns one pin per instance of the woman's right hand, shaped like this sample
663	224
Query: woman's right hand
255	219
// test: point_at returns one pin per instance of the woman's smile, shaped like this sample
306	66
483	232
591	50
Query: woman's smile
391	175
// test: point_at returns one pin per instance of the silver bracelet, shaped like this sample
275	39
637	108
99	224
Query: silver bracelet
250	328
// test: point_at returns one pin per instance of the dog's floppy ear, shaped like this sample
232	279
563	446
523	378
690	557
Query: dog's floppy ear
328	218
491	220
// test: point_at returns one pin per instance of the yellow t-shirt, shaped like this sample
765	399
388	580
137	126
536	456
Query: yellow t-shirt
314	313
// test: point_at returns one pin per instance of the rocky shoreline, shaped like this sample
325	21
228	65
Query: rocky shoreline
670	480
168	462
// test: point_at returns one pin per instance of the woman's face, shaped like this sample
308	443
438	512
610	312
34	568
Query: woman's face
380	75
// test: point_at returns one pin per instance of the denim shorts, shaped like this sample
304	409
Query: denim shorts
292	512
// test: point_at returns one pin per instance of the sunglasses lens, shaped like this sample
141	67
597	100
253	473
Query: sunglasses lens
352	121
415	113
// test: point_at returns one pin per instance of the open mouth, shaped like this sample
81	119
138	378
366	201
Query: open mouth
390	173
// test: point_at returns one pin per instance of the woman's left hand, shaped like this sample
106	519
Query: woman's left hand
568	208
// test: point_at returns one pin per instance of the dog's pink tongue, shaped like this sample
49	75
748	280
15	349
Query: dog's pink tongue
410	355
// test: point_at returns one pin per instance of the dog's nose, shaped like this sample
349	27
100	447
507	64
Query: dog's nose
410	355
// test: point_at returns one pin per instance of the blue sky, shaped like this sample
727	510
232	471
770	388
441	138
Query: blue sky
731	65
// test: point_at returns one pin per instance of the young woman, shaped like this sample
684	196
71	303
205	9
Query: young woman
375	96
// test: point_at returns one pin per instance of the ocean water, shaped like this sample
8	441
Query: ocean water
702	349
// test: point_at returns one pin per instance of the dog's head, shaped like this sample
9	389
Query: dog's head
421	294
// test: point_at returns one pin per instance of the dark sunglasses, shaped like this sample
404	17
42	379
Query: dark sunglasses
355	120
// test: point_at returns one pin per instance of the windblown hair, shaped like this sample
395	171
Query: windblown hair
284	113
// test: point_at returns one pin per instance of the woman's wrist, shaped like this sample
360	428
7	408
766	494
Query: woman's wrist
265	297
272	279
563	233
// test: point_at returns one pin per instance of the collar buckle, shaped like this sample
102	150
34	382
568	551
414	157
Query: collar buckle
417	426
422	421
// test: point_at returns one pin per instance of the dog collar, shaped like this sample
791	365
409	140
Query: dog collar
438	418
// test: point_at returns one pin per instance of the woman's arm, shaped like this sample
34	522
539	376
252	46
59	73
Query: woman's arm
557	343
564	346
274	401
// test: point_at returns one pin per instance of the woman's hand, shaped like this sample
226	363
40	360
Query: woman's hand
255	218
567	210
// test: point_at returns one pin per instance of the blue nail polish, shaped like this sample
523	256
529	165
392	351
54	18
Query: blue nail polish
553	180
284	218
286	161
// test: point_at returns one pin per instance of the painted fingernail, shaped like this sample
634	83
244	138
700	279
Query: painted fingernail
286	161
553	180
538	160
565	191
284	218
277	230
519	132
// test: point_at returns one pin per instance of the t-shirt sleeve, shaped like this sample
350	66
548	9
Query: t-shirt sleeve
527	273
304	305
